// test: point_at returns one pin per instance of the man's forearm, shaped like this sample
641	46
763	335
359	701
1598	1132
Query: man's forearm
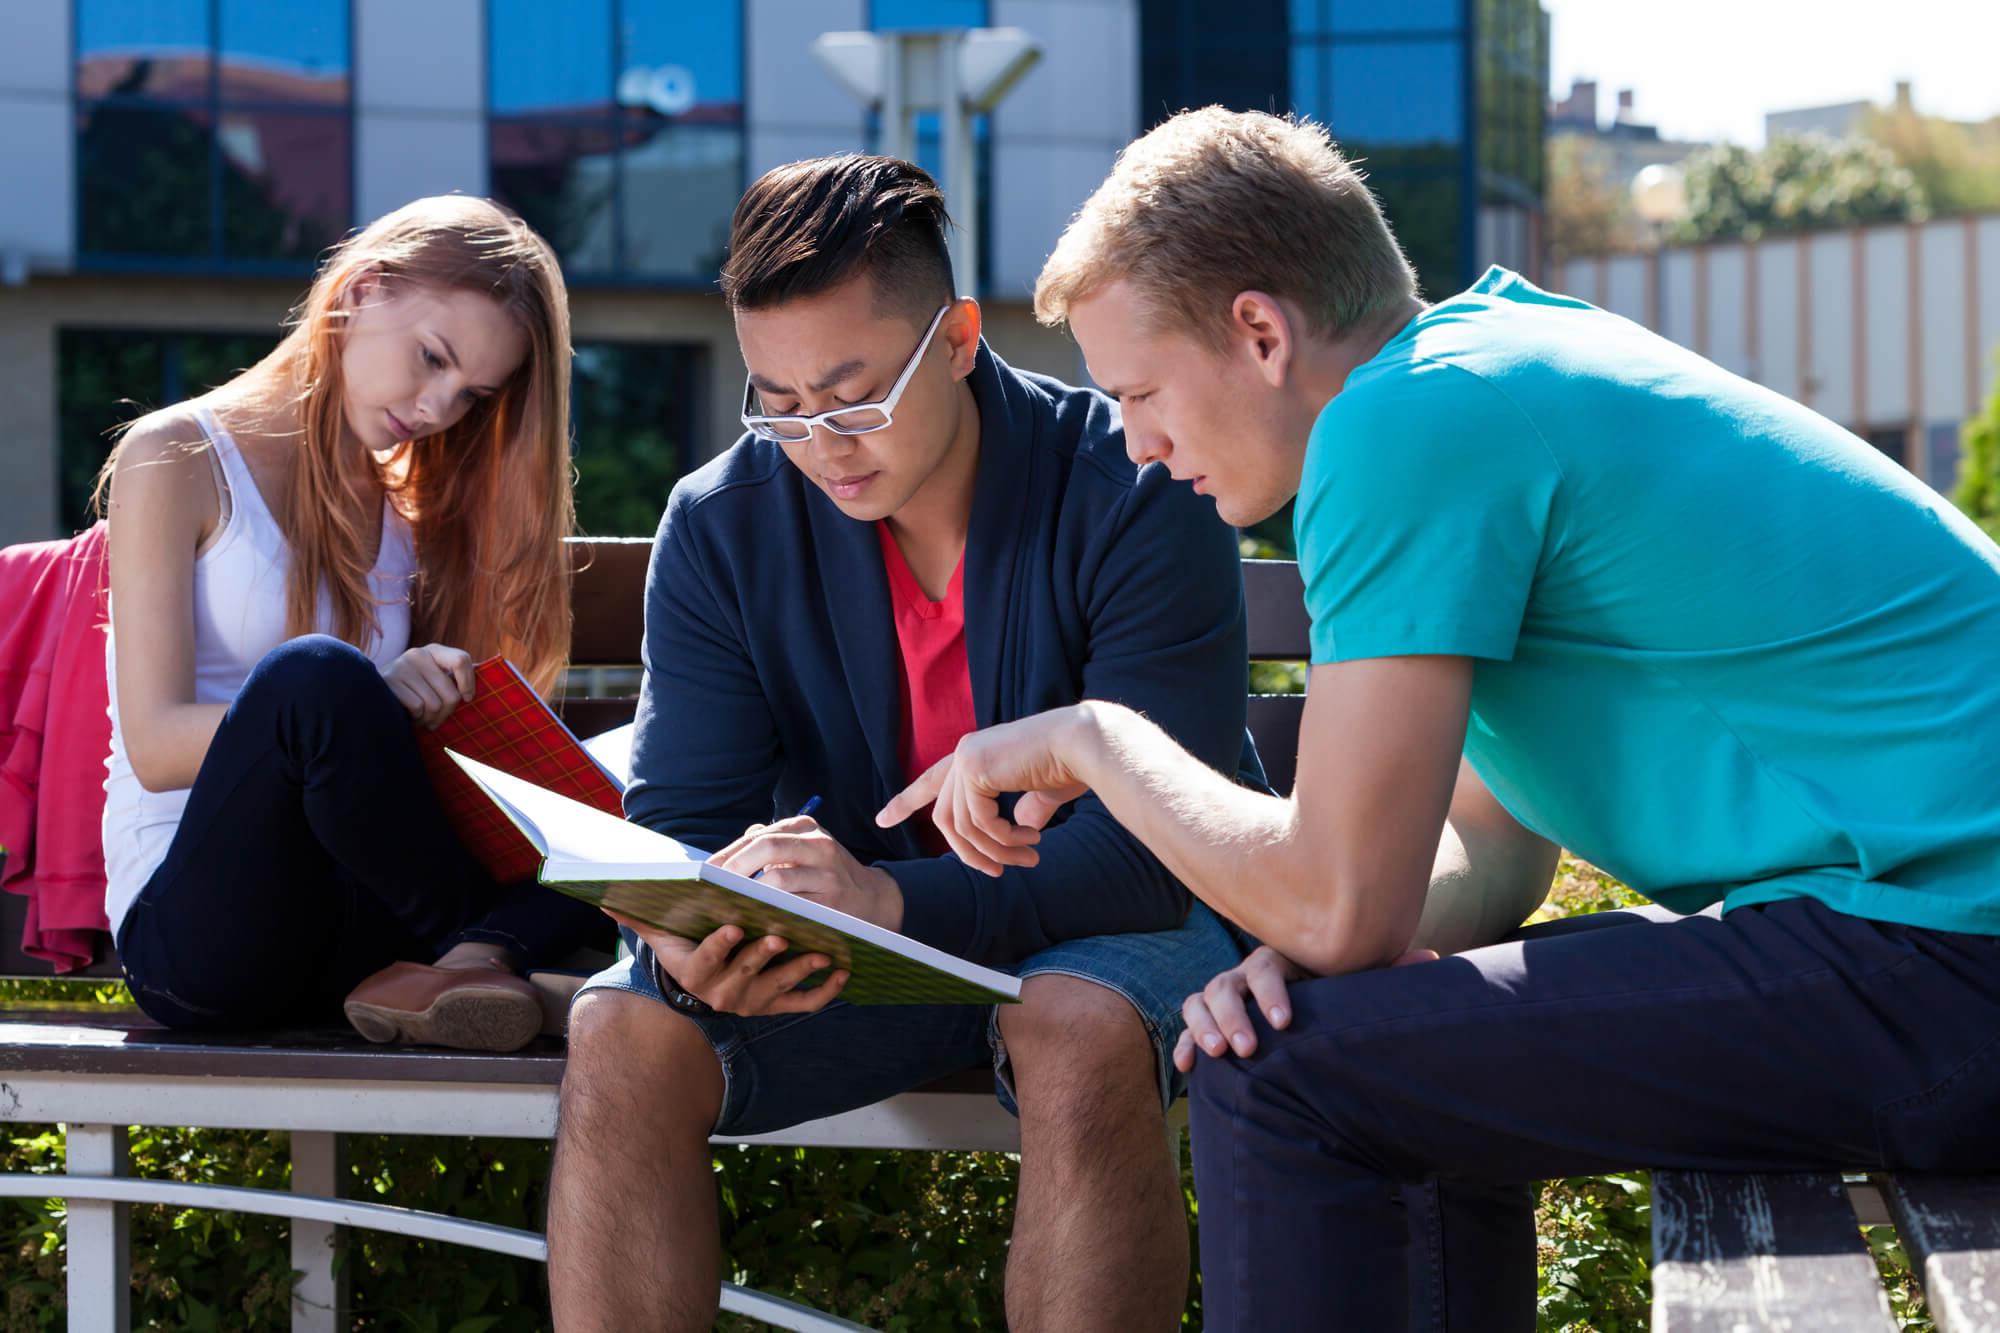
1235	849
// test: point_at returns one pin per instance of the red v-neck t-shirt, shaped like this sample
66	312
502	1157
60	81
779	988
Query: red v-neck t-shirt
936	679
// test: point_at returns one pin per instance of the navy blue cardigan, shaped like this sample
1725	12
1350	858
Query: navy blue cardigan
772	671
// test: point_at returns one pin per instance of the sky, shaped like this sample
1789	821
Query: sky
1710	69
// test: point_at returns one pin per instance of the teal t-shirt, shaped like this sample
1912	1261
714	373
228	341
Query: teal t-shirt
1724	649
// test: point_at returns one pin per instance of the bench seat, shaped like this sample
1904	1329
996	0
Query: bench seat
1780	1252
77	1065
95	1071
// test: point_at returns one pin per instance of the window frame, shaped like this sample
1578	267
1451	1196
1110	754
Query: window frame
1319	37
694	369
620	276
216	259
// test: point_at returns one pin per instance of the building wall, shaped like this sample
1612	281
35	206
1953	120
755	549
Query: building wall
1058	132
1891	331
793	108
419	101
37	142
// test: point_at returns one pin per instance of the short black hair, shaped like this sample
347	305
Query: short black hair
807	227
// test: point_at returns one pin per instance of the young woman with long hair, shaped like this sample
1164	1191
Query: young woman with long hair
304	561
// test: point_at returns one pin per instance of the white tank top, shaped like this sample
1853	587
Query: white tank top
239	617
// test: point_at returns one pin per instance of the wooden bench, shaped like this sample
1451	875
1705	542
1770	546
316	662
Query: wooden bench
1733	1253
97	1072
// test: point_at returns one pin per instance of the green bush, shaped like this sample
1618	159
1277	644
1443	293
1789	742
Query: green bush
1978	491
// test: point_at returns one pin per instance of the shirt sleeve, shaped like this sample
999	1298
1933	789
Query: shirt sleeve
1426	508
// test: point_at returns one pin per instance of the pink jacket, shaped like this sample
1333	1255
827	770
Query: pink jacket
55	734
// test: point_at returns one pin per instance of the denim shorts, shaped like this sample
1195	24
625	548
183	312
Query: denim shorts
786	1069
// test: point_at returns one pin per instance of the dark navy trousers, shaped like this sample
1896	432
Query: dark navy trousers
313	852
1370	1167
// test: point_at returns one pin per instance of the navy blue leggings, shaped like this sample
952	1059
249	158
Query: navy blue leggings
312	853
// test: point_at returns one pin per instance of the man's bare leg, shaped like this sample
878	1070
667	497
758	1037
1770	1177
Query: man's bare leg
633	1234
1100	1233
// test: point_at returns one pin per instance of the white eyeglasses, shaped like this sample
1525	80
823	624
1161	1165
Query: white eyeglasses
859	419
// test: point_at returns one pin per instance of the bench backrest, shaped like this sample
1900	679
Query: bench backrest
608	596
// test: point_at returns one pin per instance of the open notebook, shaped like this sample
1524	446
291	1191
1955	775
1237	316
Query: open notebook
649	877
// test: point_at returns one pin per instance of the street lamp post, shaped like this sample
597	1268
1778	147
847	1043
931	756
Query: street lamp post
959	73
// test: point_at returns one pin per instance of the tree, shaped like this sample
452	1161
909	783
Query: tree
1956	165
1796	183
1979	466
1587	214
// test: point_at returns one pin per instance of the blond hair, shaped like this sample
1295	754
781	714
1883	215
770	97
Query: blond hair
488	499
1213	202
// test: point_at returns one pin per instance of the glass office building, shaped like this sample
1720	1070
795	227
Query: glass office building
178	166
617	130
1441	101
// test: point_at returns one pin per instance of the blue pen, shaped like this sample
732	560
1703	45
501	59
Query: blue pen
805	812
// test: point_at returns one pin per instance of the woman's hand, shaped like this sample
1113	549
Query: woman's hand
431	681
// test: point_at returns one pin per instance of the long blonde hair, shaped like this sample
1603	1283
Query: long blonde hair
488	499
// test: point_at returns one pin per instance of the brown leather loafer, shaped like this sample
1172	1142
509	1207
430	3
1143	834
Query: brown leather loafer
471	1008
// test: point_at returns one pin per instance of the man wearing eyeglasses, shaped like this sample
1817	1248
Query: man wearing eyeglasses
913	541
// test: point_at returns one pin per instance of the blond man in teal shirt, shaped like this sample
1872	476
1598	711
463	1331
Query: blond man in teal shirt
1570	586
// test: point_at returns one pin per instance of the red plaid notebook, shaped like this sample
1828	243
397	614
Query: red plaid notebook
507	726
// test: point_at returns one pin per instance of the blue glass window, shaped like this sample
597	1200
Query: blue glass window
560	177
1427	213
153	48
1397	94
1511	79
682	60
617	131
1309	80
680	189
142	181
1360	18
549	58
888	15
1364	16
294	52
212	133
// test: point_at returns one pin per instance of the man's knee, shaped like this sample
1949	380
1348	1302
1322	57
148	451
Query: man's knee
1215	1090
625	1048
1345	1087
1079	1051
